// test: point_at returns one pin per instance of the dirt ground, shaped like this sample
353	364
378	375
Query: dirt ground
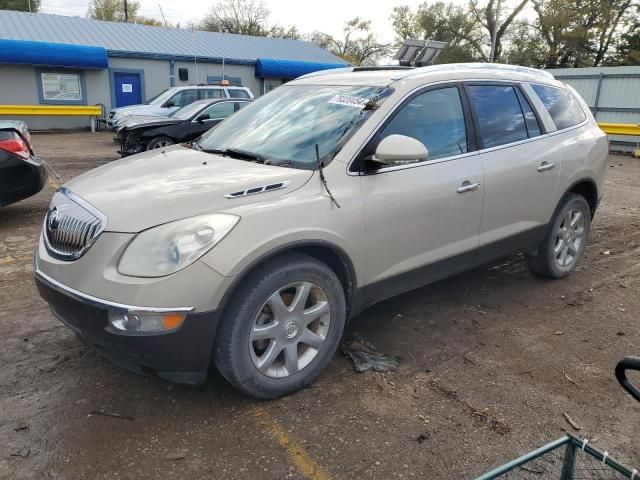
489	362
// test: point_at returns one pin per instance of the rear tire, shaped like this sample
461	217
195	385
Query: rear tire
564	244
159	142
281	327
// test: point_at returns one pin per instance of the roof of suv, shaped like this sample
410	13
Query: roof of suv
456	71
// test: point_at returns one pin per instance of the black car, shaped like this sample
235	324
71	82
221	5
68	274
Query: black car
22	174
185	124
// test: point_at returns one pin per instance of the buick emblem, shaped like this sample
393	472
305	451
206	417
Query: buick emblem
53	222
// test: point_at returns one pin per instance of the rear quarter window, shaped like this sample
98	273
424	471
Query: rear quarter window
562	105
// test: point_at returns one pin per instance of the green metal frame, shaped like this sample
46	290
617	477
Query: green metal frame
573	444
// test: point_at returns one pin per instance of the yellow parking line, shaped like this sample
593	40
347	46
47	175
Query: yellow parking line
297	453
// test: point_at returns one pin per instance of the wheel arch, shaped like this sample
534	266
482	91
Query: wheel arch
587	188
328	253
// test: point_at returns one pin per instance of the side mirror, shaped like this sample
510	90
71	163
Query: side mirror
169	104
201	118
400	150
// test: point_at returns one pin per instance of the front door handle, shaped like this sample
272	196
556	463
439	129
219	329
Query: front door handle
467	186
544	166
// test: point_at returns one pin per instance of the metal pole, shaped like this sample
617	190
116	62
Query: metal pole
569	462
126	12
494	34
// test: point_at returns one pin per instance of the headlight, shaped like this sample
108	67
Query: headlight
173	246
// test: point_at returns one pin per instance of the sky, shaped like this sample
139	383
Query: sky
326	16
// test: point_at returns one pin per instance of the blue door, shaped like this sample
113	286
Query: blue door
128	89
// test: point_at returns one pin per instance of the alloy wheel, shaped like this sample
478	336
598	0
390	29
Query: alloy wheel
290	329
570	238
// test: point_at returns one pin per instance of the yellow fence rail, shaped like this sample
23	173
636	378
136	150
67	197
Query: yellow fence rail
51	110
620	128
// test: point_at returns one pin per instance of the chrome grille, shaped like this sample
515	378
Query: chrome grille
71	226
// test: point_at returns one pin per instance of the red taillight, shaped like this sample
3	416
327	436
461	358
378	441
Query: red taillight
13	143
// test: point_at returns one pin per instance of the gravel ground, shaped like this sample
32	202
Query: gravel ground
489	362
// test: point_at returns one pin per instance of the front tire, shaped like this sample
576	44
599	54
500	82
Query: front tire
281	327
564	244
159	142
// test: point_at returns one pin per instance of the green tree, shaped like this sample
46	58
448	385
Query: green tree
444	22
20	5
580	33
628	47
358	44
524	45
113	10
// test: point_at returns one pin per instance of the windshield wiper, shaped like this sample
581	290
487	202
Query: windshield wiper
323	180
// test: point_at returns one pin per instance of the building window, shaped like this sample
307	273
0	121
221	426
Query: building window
60	87
271	84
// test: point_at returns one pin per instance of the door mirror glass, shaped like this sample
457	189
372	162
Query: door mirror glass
400	150
202	117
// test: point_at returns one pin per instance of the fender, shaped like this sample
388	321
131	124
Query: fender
350	282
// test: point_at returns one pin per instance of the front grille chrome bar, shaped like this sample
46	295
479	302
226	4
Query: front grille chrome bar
71	225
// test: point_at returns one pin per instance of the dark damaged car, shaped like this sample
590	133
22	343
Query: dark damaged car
22	174
184	125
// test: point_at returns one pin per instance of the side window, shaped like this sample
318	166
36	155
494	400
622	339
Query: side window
213	93
530	120
499	114
183	97
237	93
220	110
436	119
241	105
561	105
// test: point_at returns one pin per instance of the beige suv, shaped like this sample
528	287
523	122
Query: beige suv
250	248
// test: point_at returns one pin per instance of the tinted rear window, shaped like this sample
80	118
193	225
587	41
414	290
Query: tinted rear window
561	105
499	114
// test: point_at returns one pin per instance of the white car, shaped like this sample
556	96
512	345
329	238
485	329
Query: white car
173	98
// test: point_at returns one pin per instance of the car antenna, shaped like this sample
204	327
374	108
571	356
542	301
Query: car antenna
322	178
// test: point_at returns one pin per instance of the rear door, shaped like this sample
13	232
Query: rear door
521	173
423	219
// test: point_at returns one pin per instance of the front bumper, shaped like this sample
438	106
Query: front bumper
182	355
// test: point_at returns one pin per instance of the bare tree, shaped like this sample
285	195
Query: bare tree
358	45
496	28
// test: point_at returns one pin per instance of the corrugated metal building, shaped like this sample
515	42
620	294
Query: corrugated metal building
613	93
52	59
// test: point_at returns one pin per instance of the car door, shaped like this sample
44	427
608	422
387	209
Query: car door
423	219
521	172
216	113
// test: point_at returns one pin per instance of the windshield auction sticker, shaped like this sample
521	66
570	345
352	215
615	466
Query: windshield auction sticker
350	101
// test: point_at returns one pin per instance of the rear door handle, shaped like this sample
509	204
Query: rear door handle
467	186
544	166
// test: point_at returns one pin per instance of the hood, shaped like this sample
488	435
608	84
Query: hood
149	121
155	187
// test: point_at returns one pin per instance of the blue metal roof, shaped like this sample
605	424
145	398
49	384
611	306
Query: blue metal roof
132	40
52	54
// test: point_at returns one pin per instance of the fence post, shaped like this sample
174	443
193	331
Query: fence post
93	124
569	463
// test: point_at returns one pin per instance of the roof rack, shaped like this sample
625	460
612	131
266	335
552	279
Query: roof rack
376	68
474	66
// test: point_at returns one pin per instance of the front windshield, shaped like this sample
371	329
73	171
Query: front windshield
188	111
286	125
159	98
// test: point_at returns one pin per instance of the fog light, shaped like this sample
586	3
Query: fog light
137	322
